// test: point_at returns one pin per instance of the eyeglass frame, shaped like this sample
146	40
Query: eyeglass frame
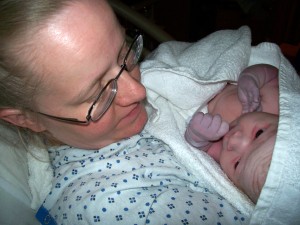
138	37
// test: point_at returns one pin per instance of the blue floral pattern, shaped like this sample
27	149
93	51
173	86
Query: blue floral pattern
134	181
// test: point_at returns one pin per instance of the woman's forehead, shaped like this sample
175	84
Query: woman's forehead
79	20
76	45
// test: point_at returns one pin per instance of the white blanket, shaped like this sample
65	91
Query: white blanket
181	77
280	198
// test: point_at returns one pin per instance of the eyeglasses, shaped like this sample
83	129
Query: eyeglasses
128	59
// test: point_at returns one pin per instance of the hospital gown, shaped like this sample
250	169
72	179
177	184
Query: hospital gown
135	181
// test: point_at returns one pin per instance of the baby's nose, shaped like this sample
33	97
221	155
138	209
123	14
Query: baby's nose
237	141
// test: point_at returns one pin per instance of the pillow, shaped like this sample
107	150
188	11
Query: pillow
15	195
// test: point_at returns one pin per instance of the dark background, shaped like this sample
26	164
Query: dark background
275	21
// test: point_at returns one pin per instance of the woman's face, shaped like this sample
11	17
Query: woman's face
76	54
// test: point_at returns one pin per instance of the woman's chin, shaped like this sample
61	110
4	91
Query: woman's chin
139	122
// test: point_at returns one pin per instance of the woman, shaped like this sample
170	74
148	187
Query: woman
68	74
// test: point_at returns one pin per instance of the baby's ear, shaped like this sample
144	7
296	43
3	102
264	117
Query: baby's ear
18	118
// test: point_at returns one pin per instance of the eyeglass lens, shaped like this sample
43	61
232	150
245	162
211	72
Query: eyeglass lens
129	60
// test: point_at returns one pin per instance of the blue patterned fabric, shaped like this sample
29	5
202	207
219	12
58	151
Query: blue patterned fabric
134	181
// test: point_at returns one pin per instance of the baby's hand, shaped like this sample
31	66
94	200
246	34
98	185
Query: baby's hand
204	128
248	93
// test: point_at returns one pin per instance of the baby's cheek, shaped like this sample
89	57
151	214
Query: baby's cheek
226	166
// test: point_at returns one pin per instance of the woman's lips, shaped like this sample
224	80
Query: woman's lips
133	114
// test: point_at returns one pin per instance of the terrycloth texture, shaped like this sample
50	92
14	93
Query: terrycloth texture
280	198
180	77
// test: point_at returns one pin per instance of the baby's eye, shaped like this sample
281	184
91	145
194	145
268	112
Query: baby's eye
258	133
236	164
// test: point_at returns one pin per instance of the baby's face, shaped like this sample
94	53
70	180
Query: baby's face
247	151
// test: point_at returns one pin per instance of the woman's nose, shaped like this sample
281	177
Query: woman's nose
130	89
237	141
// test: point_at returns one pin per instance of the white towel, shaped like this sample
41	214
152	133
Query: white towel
180	78
279	201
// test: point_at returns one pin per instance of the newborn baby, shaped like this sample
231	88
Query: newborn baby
244	158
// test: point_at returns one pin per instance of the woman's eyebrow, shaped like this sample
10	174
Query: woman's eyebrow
81	96
85	92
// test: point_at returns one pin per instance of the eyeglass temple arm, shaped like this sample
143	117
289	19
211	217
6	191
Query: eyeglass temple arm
71	120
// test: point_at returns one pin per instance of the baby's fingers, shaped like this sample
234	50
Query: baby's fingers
251	106
218	128
224	128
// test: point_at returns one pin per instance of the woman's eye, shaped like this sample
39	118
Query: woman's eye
258	133
94	96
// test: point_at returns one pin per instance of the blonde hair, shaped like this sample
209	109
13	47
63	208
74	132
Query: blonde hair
19	20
